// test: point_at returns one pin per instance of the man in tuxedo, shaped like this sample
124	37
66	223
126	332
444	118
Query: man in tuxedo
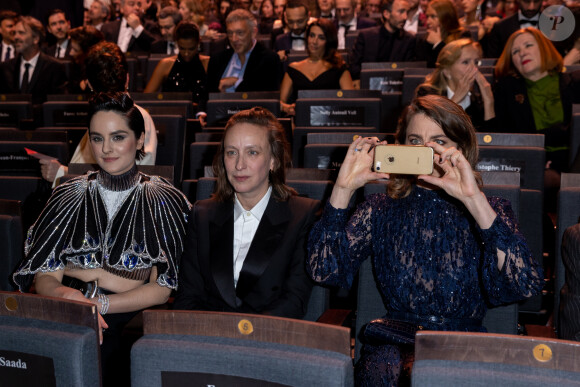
386	43
169	17
326	8
297	15
129	33
245	249
31	72
527	16
247	65
98	14
7	22
347	21
59	26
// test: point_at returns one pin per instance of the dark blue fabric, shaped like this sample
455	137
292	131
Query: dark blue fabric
429	258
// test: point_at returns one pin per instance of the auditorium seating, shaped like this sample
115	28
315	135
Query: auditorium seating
568	215
212	348
445	359
12	237
48	341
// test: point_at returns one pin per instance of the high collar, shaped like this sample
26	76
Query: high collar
118	182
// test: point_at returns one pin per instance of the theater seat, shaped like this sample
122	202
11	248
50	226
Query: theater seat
445	359
48	342
230	349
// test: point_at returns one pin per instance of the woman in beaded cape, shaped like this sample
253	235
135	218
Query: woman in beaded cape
117	226
323	69
441	251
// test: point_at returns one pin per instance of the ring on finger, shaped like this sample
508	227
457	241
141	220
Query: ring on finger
357	149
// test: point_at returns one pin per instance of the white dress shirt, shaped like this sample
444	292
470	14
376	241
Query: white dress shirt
465	102
246	224
5	48
60	49
126	33
341	35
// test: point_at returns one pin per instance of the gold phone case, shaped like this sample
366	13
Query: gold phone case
404	159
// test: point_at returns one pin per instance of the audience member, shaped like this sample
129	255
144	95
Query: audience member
59	26
441	251
255	7
183	72
506	8
223	10
266	17
532	95
347	21
323	69
279	26
98	13
569	317
31	71
475	15
245	247
371	7
412	22
128	32
527	16
386	43
194	11
169	17
247	65
81	40
94	214
297	16
279	6
106	71
442	27
456	77
326	9
7	22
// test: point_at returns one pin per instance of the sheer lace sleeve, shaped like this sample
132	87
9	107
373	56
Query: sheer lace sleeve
521	276
337	245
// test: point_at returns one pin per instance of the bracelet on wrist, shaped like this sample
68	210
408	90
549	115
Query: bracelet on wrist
104	301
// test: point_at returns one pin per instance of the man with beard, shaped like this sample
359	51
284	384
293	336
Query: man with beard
58	26
527	16
297	16
31	72
386	43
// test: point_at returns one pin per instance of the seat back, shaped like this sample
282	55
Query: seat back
66	113
170	143
12	235
568	215
239	349
469	359
219	111
13	112
201	155
338	111
48	341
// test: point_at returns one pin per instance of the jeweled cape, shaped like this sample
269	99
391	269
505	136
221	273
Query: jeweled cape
73	231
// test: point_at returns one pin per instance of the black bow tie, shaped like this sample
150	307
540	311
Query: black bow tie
292	37
528	21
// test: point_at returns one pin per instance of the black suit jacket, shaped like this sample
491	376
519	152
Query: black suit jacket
49	77
262	71
273	279
142	44
513	111
366	49
499	35
159	47
51	51
284	42
361	23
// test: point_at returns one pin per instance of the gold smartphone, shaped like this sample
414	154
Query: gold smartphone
404	159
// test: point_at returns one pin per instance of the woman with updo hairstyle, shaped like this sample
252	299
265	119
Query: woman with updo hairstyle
185	72
323	69
457	77
112	237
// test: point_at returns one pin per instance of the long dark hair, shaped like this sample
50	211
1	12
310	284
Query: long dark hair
331	54
456	125
279	148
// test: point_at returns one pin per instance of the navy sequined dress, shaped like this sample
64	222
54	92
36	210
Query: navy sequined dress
430	259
